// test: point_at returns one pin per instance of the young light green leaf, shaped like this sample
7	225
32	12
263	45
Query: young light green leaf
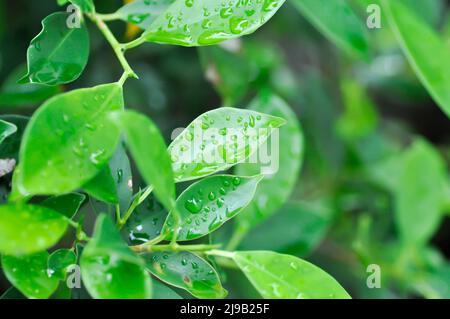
9	148
58	54
419	197
425	50
338	22
207	22
26	229
6	129
206	205
143	12
218	140
59	260
278	276
187	271
282	172
150	153
79	140
103	187
30	275
109	269
85	5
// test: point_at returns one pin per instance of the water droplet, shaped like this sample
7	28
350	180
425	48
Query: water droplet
193	205
211	196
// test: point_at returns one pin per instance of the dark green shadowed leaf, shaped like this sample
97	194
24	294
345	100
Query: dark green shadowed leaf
67	205
120	167
10	146
103	187
109	269
425	50
278	276
85	5
59	53
59	260
26	229
208	204
207	22
29	274
79	140
6	129
143	12
187	271
218	140
338	22
161	291
283	169
12	293
150	153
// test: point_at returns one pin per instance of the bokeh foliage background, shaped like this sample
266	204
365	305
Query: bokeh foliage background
376	145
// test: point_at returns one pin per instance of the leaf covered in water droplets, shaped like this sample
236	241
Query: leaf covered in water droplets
187	271
208	204
59	53
109	269
29	274
207	22
218	140
143	12
278	276
79	140
26	229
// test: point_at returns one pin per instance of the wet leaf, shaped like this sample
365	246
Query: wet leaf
161	291
59	260
143	12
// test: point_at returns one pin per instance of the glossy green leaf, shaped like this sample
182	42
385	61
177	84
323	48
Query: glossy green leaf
218	140
59	53
143	12
30	275
187	271
161	291
278	276
85	5
59	260
208	204
425	50
338	22
149	151
281	174
109	269
419	196
120	167
67	205
10	146
6	129
103	187
79	140
207	22
26	229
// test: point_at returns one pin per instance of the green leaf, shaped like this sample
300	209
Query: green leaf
150	153
143	12
120	167
59	260
419	195
207	22
218	140
13	94
208	204
10	146
29	274
12	293
85	5
79	140
282	172
425	50
26	229
161	291
278	276
6	129
338	22
58	54
187	271
110	270
67	205
103	187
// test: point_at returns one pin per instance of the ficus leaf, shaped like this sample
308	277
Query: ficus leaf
282	171
338	22
6	129
59	53
218	140
161	291
143	12
207	204
278	276
425	50
187	271
149	151
110	270
26	229
67	205
79	140
59	261
207	22
103	186
29	274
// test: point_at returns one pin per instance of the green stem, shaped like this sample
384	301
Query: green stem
174	248
135	43
108	16
237	237
136	202
221	253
